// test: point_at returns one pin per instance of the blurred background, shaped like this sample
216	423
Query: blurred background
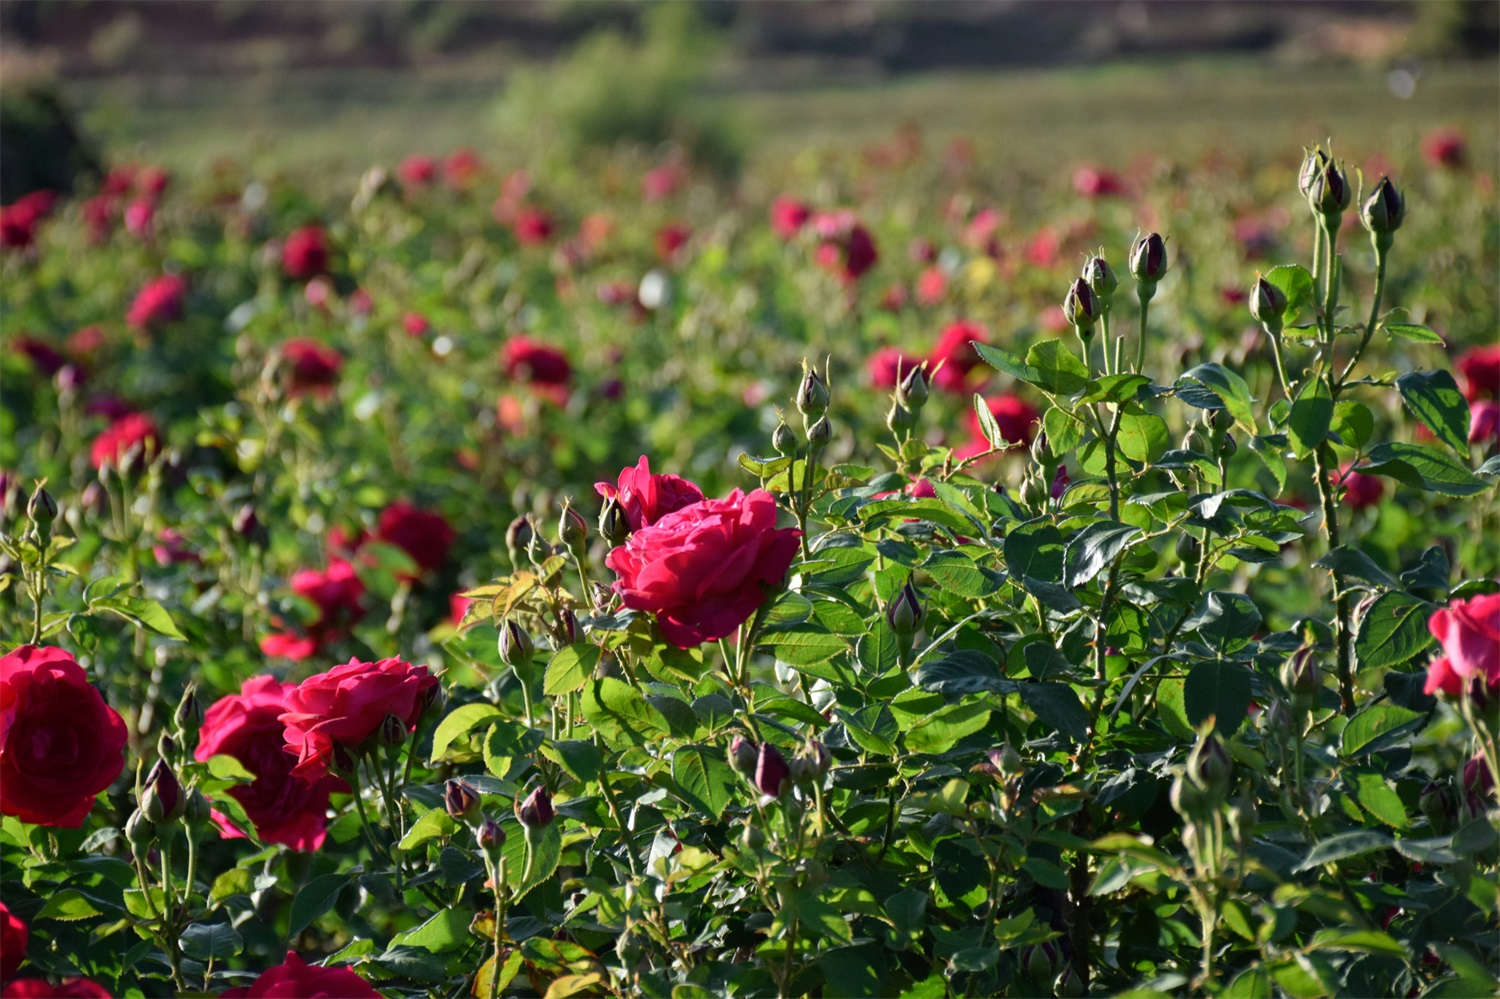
338	85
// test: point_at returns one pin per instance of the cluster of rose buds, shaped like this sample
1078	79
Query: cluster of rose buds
769	771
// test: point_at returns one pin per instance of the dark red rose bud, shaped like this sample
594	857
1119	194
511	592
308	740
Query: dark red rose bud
820	432
912	391
41	509
516	648
1081	307
1384	210
742	756
1301	674
1328	193
1438	803
490	837
567	626
393	730
812	395
161	794
1311	166
1100	278
614	523
904	613
771	771
189	714
1148	259
518	537
535	811
1209	766
1267	303
784	439
460	800
571	530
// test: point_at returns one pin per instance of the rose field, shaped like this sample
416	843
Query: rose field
915	560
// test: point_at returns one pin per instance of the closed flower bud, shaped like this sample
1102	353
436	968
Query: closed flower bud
1039	962
912	392
1081	307
1301	674
166	747
196	811
535	810
161	794
1384	210
460	800
614	523
819	433
1034	492
1068	984
1209	766
516	648
784	439
393	731
771	771
899	419
1188	800
1267	303
248	526
518	537
1100	278
904	613
1439	804
490	838
571	530
812	395
41	509
815	759
567	626
139	831
1148	259
742	756
189	714
1328	194
1311	166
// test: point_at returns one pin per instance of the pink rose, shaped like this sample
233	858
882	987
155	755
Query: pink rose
1469	631
704	569
13	934
646	498
337	592
346	705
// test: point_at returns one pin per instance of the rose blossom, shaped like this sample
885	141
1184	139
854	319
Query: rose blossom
533	227
13	934
60	744
788	215
544	368
417	171
314	367
889	365
40	988
1480	367
423	535
337	592
296	978
285	809
647	498
346	705
129	431
158	302
1444	147
305	253
1360	490
416	325
1484	421
954	357
1469	631
704	569
461	168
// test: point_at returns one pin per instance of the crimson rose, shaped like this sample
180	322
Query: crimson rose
296	979
40	988
346	705
1469	631
646	498
60	744
285	809
13	935
704	569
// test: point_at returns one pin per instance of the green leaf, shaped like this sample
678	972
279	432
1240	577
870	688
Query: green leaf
1143	437
617	710
1218	689
433	824
1424	468
1353	422
1230	389
1378	798
1034	550
965	671
204	941
1094	549
1412	332
957	573
579	757
1293	281
1064	430
819	919
315	898
942	730
1394	631
1057	706
1061	370
1433	397
1374	723
569	668
705	779
1349	844
1311	415
68	904
445	930
1010	364
987	424
546	853
459	723
142	613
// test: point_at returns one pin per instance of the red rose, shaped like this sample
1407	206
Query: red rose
296	979
415	324
160	301
346	705
888	365
129	431
458	606
1484	421
40	988
138	217
1469	631
1445	147
99	215
647	498
663	181
171	548
1360	490
152	181
13	936
285	809
704	569
932	285
954	356
847	248
60	744
418	171
337	592
305	253
1480	367
1092	182
670	239
313	366
788	215
47	359
425	536
533	227
461	168
544	368
893	299
1016	418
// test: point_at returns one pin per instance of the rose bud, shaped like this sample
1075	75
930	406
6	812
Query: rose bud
1311	167
1081	307
816	758
161	794
899	420
1267	303
189	714
460	800
1099	277
248	526
819	433
1148	259
571	530
1301	673
742	756
1039	962
912	391
139	831
490	837
812	395
518	538
1328	194
535	811
1068	984
771	771
1384	210
783	439
41	509
904	613
393	730
1439	804
614	522
567	626
516	648
1209	766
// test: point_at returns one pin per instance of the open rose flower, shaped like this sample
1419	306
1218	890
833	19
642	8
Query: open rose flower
954	357
343	707
13	934
1480	368
417	171
1469	631
704	569
311	366
460	169
647	498
40	988
545	369
1445	147
337	593
158	302
286	809
1360	490
788	215
423	535
132	430
295	979
305	253
845	246
889	365
60	744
